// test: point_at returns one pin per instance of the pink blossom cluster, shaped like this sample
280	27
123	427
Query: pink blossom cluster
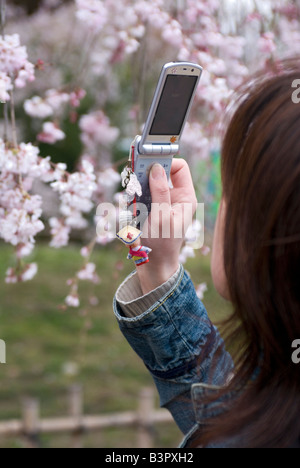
52	105
48	106
5	87
51	133
75	192
20	212
14	61
93	13
87	273
96	130
122	24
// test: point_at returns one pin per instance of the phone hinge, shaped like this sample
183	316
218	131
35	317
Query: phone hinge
159	149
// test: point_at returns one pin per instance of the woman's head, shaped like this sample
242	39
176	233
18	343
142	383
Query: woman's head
256	259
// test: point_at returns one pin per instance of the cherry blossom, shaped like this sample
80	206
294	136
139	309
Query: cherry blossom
11	277
267	44
88	273
72	300
76	97
30	272
195	143
38	107
85	252
19	226
60	233
186	253
200	290
5	87
14	60
52	104
24	250
93	13
76	192
96	130
26	74
193	232
56	99
24	160
105	228
51	133
108	181
27	274
172	33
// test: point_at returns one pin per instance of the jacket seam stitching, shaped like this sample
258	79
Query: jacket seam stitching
189	348
170	295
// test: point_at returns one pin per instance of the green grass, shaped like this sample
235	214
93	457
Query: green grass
43	341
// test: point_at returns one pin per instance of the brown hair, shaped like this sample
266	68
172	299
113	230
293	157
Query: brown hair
261	187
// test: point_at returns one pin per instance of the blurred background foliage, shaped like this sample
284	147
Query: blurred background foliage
31	6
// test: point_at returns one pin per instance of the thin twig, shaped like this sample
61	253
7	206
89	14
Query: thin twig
14	137
5	106
2	15
6	123
13	120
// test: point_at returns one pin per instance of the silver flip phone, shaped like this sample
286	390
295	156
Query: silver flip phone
165	123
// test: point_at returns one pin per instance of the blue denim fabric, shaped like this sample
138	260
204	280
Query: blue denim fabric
178	343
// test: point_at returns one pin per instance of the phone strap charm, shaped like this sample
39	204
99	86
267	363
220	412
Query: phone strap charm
129	179
129	234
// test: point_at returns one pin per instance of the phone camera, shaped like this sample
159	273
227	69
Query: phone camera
192	70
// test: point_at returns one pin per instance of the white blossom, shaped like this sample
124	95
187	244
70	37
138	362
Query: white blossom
85	252
27	274
88	273
19	227
96	130
56	99
38	107
11	277
200	290
93	13
30	272
14	60
72	300
60	233
5	87
172	33
186	253
76	191
193	232
24	250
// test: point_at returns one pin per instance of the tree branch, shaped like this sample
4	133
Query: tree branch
2	16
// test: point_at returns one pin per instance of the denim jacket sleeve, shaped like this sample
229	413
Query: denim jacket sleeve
178	344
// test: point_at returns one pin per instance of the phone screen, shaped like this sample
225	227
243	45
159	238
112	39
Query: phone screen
173	105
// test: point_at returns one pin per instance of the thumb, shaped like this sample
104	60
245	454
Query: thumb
159	185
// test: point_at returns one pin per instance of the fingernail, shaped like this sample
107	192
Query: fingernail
157	172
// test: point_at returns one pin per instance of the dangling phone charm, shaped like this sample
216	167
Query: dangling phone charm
130	235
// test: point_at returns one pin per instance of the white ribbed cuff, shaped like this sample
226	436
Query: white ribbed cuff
131	299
